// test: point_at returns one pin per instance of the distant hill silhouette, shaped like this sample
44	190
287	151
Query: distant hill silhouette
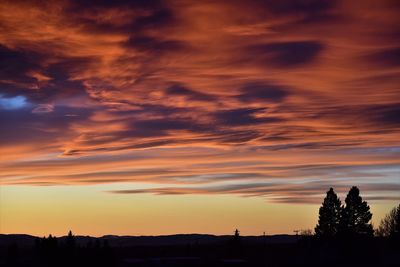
23	240
196	250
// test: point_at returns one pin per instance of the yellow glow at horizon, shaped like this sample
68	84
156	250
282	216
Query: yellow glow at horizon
89	210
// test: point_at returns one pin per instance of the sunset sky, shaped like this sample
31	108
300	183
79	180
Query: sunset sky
160	117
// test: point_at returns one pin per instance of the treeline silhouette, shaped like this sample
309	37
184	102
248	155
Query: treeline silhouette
344	236
349	220
352	220
50	251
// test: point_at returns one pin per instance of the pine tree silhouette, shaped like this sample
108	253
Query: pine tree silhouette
235	244
356	215
237	234
70	240
329	216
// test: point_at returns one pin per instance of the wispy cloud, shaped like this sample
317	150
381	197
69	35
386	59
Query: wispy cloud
167	92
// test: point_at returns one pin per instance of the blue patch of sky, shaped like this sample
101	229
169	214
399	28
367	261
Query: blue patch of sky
12	103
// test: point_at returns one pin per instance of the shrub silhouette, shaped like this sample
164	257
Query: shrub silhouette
70	240
390	225
235	244
237	234
397	231
329	216
355	216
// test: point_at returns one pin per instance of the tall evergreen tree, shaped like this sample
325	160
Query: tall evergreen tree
329	216
356	215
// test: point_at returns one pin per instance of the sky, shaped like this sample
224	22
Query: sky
160	117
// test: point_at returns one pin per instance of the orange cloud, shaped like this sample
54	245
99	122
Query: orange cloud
170	93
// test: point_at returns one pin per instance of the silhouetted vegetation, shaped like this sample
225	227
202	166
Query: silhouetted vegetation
70	242
348	221
329	216
356	216
390	225
343	237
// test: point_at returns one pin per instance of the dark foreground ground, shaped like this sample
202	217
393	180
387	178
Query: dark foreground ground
197	250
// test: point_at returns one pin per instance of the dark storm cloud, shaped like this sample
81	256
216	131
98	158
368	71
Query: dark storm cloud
60	77
384	115
286	54
145	15
22	124
243	116
371	117
65	67
303	10
159	127
237	136
151	109
298	6
162	17
117	3
179	90
14	64
258	91
389	57
311	11
383	79
19	70
166	128
146	43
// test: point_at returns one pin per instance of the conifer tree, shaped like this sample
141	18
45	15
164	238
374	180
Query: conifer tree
236	243
237	234
356	215
329	216
70	240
